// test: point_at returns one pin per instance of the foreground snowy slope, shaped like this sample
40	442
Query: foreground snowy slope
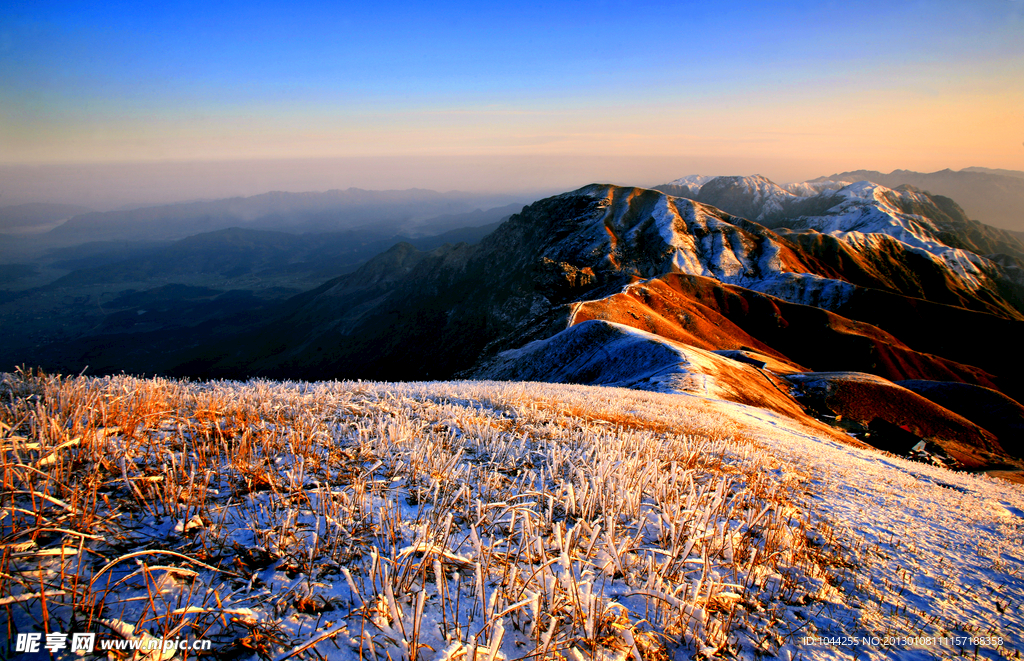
486	520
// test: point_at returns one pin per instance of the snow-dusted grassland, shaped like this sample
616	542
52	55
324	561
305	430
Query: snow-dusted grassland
479	520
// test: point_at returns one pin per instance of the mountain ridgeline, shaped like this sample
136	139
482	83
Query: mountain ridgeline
994	197
887	296
388	212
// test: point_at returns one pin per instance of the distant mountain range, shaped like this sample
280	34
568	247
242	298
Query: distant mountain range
388	212
68	299
33	216
859	251
995	197
237	252
1006	173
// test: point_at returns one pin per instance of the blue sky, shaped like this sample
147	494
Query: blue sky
849	84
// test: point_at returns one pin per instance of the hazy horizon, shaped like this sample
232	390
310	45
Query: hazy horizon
116	185
107	107
110	186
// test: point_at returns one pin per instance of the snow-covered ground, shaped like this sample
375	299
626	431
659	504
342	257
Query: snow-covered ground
486	520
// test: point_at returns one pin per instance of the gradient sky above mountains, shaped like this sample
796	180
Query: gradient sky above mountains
476	94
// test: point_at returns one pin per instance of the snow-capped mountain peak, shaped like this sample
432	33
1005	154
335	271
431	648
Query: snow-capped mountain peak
760	195
852	211
694	181
866	208
812	188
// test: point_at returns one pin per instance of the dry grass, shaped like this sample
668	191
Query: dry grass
412	521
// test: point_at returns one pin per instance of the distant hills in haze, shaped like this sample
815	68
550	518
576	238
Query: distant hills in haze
233	253
1006	173
101	283
33	217
389	212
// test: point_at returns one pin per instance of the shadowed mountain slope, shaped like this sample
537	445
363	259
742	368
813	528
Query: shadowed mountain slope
999	414
865	400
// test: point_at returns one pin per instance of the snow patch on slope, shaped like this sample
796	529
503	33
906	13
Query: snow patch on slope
812	188
862	210
703	244
935	551
699	241
799	189
805	289
868	209
766	193
608	354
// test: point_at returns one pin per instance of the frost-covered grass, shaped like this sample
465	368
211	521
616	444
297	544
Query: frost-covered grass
480	520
